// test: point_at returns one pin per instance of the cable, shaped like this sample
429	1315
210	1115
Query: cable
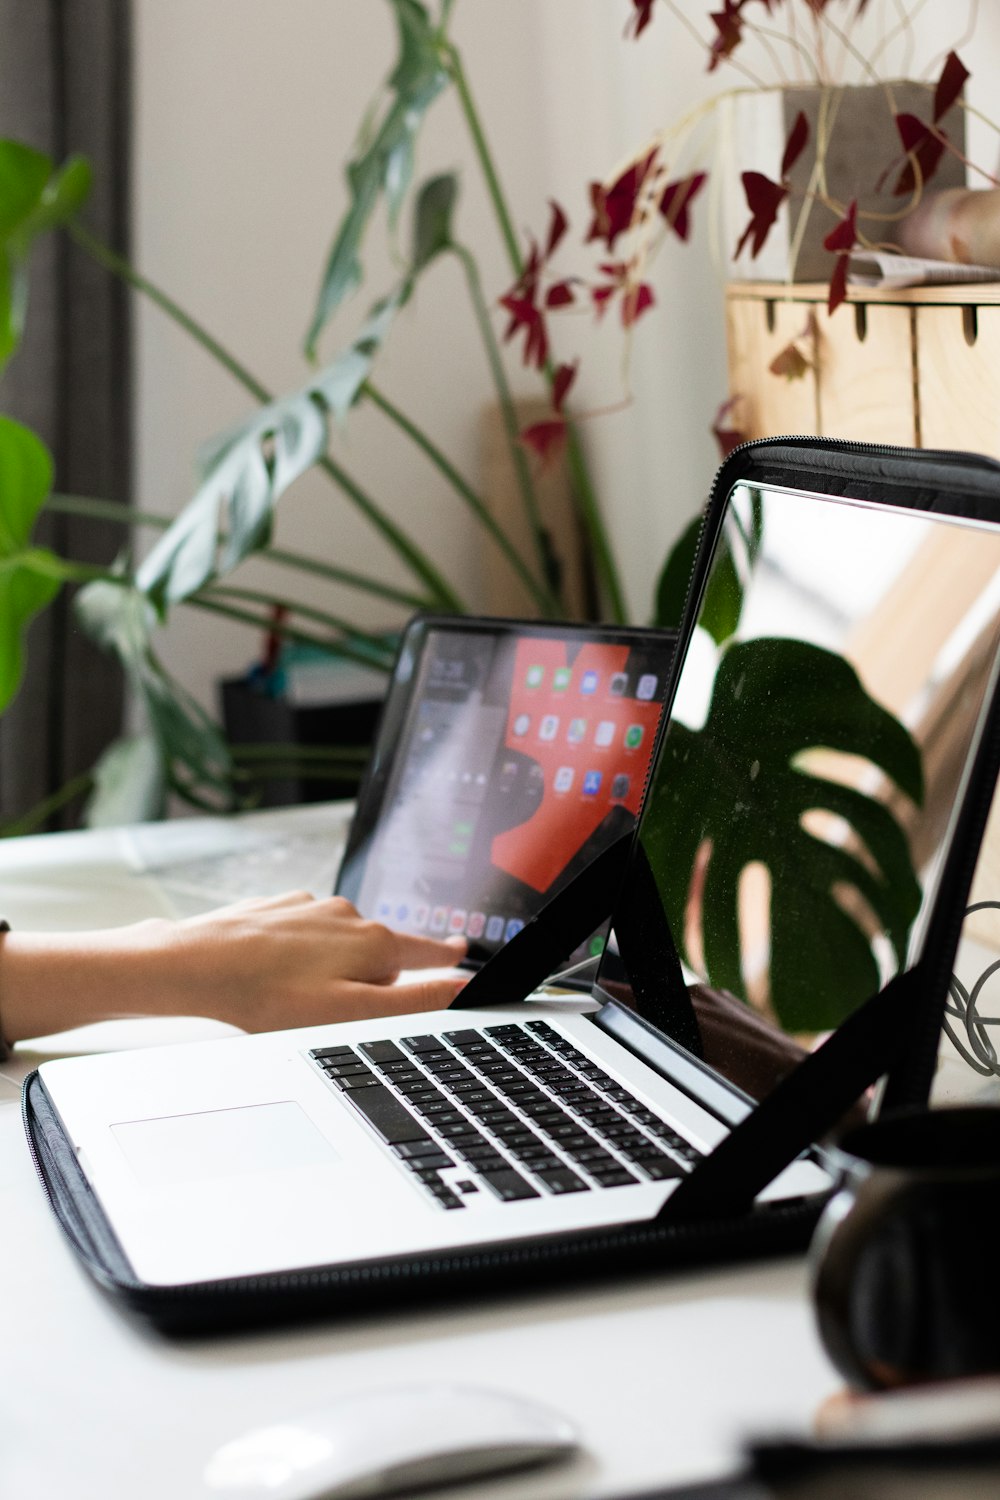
976	1047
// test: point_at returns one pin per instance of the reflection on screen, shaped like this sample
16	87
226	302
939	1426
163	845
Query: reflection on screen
523	756
799	812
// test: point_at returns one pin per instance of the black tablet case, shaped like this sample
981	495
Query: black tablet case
712	1216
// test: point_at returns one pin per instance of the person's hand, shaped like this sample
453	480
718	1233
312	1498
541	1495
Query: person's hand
294	961
262	965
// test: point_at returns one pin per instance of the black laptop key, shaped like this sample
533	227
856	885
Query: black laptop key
382	1052
356	1085
382	1109
448	1199
460	1038
508	1185
483	1158
660	1168
422	1043
347	1070
321	1053
457	1129
426	1150
561	1180
613	1176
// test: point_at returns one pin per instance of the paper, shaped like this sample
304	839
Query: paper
878	268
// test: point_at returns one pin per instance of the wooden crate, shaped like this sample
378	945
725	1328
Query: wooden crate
919	367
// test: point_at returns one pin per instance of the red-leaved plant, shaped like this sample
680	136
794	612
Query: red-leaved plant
654	195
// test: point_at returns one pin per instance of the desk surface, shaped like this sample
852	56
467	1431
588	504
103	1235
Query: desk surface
663	1375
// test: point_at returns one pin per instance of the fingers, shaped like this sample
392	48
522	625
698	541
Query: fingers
412	952
358	1002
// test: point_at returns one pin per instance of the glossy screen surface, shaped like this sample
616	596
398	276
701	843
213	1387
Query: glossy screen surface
520	755
800	810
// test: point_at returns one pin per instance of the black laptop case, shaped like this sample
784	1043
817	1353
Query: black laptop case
713	1216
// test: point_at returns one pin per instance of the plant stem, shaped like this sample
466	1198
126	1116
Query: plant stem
543	597
597	537
508	410
42	811
443	593
120	267
584	493
482	151
287	632
109	510
321	617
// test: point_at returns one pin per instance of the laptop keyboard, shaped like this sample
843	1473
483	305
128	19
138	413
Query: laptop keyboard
516	1110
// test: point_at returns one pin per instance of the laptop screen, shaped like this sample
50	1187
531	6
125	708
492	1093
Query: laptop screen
823	722
509	755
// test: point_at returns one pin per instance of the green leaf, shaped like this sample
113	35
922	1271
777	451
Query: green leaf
130	784
432	219
383	164
248	468
193	750
33	199
24	173
737	791
723	603
26	586
675	578
230	515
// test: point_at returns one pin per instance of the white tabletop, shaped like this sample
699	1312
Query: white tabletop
663	1375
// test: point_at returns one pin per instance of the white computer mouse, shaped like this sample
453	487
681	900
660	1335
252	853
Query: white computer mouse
387	1441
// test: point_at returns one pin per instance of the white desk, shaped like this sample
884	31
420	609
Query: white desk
663	1375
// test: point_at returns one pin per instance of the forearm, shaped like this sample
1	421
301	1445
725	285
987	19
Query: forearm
54	981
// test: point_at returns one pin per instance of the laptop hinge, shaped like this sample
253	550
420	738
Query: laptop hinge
544	943
804	1106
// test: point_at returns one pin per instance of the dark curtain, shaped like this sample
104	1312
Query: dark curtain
64	87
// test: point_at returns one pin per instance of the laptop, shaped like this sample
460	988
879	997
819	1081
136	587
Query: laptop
509	755
811	820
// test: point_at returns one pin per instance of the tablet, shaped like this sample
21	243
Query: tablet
508	755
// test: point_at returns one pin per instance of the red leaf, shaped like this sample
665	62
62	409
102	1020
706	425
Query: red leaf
727	437
636	300
677	196
798	139
547	439
641	17
602	296
949	85
617	207
838	284
729	33
844	235
561	382
557	228
791	363
764	198
560	294
525	315
924	147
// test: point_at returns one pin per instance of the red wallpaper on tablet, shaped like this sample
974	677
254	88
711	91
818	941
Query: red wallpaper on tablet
591	727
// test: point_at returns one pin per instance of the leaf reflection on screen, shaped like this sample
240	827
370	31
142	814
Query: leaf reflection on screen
745	815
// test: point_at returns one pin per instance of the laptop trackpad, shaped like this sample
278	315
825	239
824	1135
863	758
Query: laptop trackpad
222	1142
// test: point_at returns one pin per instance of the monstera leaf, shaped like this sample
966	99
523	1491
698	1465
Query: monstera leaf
735	793
29	576
247	469
195	757
383	164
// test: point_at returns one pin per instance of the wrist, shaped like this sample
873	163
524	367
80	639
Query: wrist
55	981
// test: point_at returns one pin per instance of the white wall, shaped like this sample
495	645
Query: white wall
246	110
